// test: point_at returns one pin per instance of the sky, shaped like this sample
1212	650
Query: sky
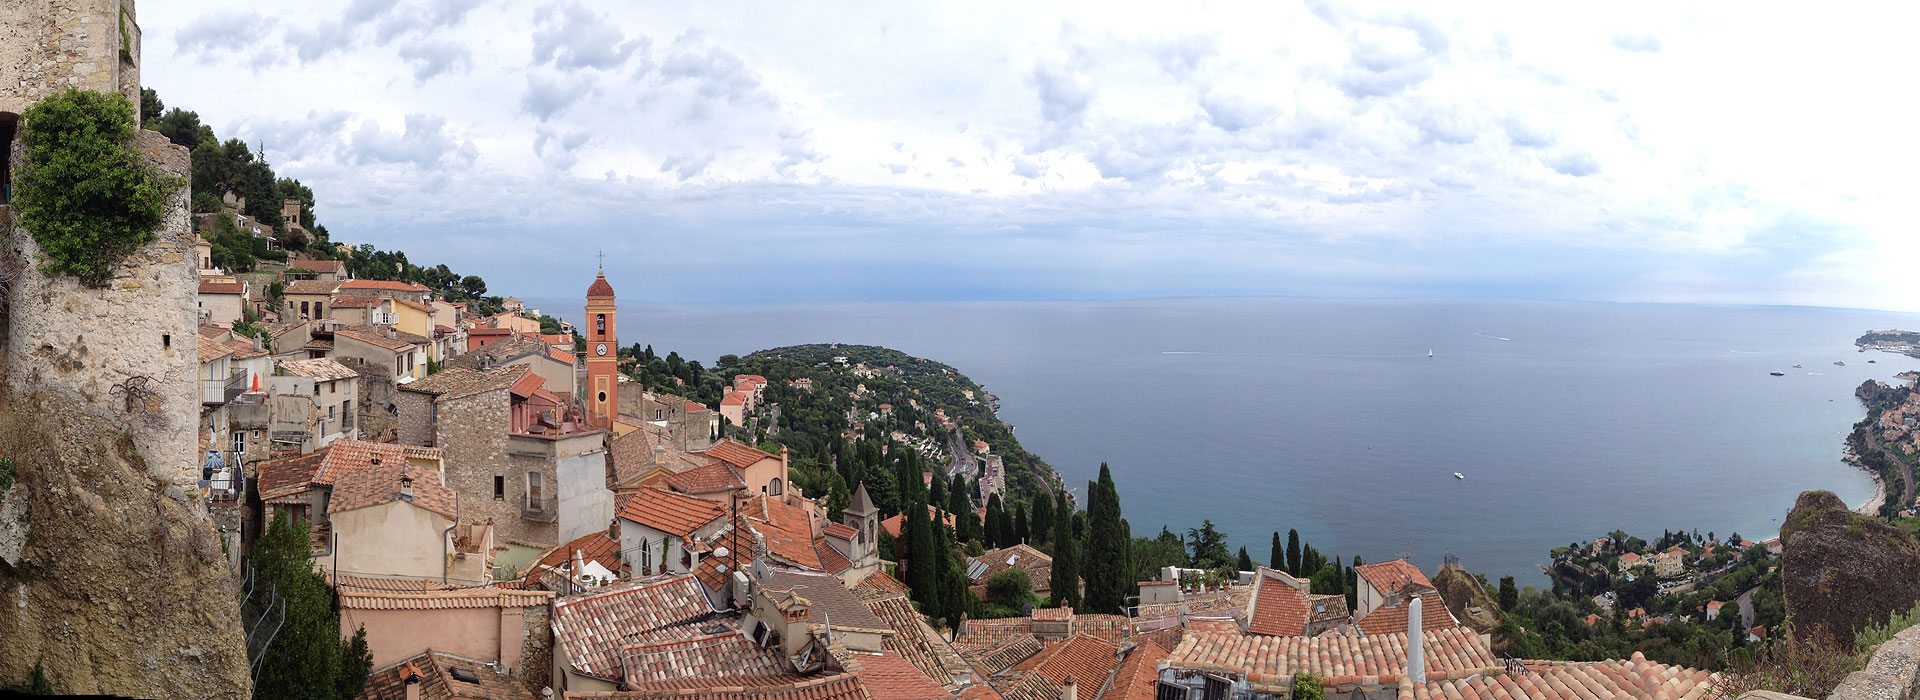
1748	153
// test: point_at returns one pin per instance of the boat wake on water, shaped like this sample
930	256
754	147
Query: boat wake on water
1490	336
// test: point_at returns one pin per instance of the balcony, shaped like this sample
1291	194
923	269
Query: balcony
541	510
220	392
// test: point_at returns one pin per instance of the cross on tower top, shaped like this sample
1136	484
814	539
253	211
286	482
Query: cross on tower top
602	255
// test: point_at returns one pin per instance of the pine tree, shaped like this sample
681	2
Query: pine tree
953	581
1066	573
1293	553
1509	594
1246	562
921	562
1353	584
996	531
966	525
1277	557
1106	563
1021	533
937	495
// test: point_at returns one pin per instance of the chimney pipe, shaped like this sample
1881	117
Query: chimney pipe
1068	691
1416	656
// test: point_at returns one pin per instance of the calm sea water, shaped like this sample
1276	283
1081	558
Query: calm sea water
1568	420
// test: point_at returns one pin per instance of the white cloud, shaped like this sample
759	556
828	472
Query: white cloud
1443	141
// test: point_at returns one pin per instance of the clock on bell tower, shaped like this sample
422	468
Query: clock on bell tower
602	391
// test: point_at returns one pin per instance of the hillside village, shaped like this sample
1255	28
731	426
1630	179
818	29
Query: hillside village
500	505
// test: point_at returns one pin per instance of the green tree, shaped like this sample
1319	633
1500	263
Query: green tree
1012	588
306	658
1207	547
966	526
996	535
1246	562
1293	552
86	195
1306	687
1106	572
1509	594
1042	522
1021	528
150	105
1277	556
1065	583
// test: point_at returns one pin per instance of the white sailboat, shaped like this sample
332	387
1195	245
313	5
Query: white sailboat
1429	352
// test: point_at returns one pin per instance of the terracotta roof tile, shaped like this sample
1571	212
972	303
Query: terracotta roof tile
831	560
736	454
889	677
595	626
1269	662
380	485
357	302
1433	616
840	530
844	686
376	584
600	288
458	382
1032	560
715	477
310	287
399	340
322	369
998	659
1138	676
1214	625
1635	678
915	641
386	285
1084	659
829	599
671	513
448	599
1279	608
350	455
985	635
437	682
211	350
595	546
289	475
333	266
223	288
722	659
1392	576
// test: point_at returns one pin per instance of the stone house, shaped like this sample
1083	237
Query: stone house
302	485
221	302
229	366
331	387
320	270
290	340
557	368
404	354
203	255
689	424
515	452
307	300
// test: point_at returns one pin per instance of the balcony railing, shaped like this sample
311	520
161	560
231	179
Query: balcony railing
217	392
541	510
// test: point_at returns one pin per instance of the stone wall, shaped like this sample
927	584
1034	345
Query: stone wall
536	651
415	422
473	432
138	331
46	47
1892	674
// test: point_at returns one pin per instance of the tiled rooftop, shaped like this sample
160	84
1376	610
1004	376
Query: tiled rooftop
829	597
1635	678
593	547
595	626
788	531
398	340
388	285
988	634
1279	608
831	560
1138	676
437	682
844	686
1214	625
289	475
1433	616
322	369
725	658
1340	659
223	288
1391	576
380	485
671	513
715	477
1023	556
445	599
993	661
310	287
889	677
916	642
1086	659
736	454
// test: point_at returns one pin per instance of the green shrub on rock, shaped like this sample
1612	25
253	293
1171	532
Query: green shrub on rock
85	194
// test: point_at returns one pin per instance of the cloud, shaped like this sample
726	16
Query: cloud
559	150
1638	43
1575	163
1232	112
548	94
220	32
434	57
424	143
715	73
569	35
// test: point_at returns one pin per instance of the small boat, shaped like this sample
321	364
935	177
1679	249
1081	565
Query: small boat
1458	475
1778	374
1840	363
1870	361
1796	366
1429	352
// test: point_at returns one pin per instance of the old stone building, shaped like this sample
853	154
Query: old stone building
689	424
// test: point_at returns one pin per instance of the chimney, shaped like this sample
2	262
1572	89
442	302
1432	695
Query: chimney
411	677
1068	691
659	455
1416	656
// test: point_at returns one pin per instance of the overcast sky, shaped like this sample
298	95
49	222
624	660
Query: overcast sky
809	151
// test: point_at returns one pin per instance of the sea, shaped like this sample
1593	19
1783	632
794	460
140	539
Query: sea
1348	419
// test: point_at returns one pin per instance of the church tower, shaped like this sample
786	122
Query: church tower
603	355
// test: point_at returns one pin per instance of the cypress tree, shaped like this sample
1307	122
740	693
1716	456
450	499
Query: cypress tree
1042	521
996	530
1105	569
1277	557
1065	581
1293	552
1246	562
953	580
966	526
921	560
937	495
307	658
1353	584
1021	533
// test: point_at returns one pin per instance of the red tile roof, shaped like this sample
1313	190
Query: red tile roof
1636	679
787	530
436	680
375	486
671	513
844	686
889	677
1392	576
1084	659
1138	676
736	454
448	599
831	560
1279	608
715	477
324	369
223	288
1433	616
1340	660
892	525
723	659
593	547
289	475
829	599
840	530
1214	625
593	628
993	661
354	302
310	287
600	288
387	285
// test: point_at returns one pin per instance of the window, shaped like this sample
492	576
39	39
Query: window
776	487
1217	689
1170	691
656	414
303	309
499	488
329	413
319	309
346	413
533	490
240	441
329	387
600	324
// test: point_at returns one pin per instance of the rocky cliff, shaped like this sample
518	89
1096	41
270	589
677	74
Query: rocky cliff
109	583
1842	571
1467	599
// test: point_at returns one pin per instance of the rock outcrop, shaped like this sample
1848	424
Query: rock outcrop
1843	571
1467	599
108	581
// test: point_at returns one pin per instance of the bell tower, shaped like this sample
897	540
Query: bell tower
603	355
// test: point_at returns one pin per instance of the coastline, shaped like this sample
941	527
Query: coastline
1879	497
